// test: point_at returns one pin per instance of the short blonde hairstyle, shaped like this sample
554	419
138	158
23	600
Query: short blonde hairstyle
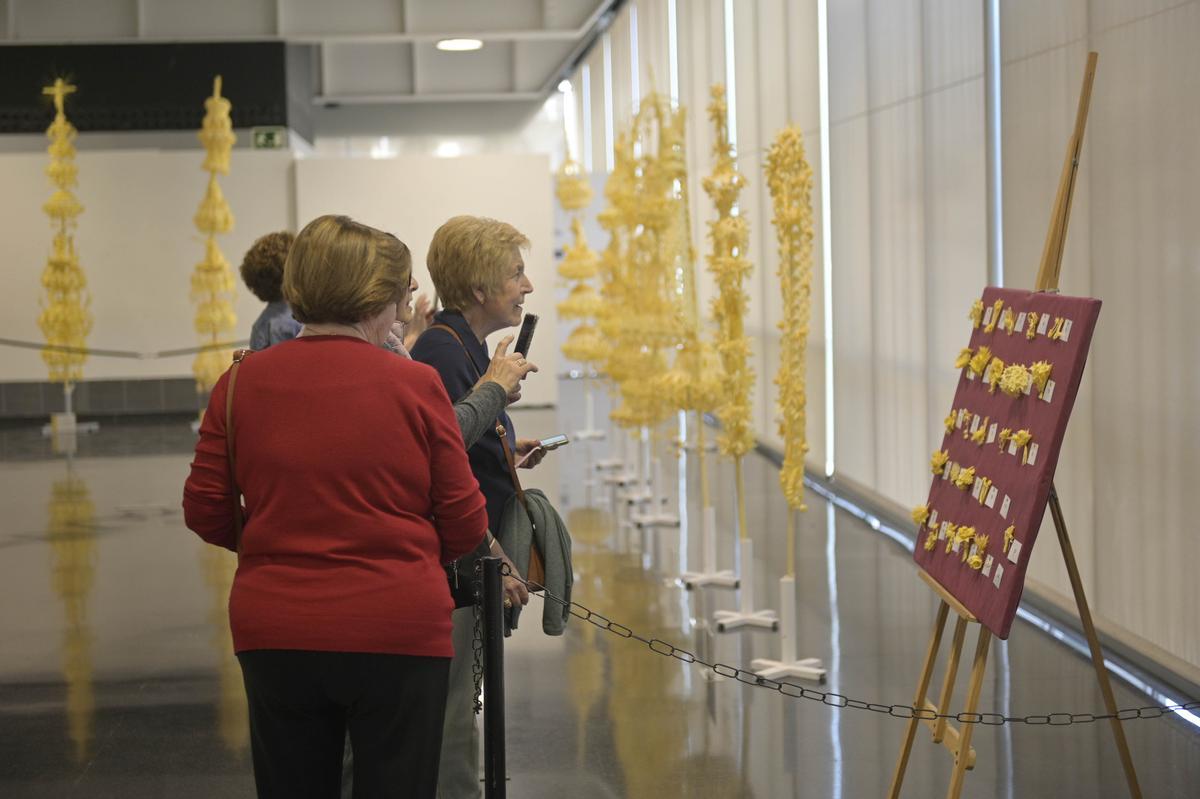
341	271
469	253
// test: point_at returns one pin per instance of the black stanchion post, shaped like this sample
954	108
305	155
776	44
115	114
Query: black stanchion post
494	771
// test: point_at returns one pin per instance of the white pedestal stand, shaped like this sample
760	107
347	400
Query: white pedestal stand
788	666
746	615
64	426
589	432
641	492
655	514
708	562
619	474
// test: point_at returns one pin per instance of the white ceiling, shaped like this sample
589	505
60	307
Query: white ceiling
370	51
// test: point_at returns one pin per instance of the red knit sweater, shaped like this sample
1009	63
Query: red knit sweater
357	489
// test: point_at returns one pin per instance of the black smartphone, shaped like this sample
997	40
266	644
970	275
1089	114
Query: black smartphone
525	337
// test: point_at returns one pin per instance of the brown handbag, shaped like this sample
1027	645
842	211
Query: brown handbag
229	440
537	568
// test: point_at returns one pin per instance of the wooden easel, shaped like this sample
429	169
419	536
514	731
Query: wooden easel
959	741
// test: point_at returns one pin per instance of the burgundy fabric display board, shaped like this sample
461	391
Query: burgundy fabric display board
1011	482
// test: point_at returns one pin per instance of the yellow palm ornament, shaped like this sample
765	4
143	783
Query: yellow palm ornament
789	179
212	280
730	236
65	319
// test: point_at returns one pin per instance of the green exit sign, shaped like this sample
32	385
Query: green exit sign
269	138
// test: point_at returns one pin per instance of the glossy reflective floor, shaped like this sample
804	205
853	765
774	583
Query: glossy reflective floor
117	679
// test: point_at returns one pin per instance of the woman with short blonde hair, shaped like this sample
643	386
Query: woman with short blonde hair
478	269
357	493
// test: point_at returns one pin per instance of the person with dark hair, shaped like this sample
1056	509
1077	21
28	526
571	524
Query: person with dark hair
262	271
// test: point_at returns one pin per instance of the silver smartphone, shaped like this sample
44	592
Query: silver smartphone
553	442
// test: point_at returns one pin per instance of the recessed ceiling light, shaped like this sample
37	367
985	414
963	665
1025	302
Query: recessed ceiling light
564	86
459	45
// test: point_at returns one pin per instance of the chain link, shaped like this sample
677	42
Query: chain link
829	698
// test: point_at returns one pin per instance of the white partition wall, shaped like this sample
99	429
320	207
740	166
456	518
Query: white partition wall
137	245
1134	442
411	196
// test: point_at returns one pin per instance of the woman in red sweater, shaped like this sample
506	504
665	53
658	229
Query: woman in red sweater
357	492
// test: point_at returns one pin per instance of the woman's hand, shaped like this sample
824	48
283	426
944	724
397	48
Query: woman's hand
515	592
531	451
508	370
395	338
422	318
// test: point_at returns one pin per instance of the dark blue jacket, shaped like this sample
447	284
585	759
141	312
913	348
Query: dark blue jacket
460	371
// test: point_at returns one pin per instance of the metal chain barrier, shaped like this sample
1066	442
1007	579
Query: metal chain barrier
132	354
828	698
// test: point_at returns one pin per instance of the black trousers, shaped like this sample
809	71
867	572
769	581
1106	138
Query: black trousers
302	704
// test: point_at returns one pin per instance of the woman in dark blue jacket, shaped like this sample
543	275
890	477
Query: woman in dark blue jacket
479	272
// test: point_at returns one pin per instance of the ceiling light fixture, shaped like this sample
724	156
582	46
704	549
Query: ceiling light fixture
459	45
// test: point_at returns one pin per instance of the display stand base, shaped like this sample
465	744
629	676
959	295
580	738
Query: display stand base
788	665
709	577
655	516
746	616
590	431
65	424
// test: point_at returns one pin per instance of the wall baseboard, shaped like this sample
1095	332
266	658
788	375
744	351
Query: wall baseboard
36	400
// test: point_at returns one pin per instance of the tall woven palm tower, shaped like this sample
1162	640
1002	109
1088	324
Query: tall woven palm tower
730	237
212	280
65	319
789	180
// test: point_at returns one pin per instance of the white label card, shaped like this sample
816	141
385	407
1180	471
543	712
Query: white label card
942	530
1043	324
974	425
970	373
1048	393
957	546
987	316
1032	459
992	433
1028	387
933	518
975	488
999	574
991	497
1021	322
987	565
1012	447
1066	331
959	420
1005	505
1014	550
946	472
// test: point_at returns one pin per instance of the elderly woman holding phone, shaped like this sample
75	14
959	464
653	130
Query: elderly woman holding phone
478	271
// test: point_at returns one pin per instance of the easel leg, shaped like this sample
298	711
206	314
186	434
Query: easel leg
1089	630
910	731
956	645
963	756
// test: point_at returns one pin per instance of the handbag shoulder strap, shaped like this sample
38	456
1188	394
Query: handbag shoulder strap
501	431
238	356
